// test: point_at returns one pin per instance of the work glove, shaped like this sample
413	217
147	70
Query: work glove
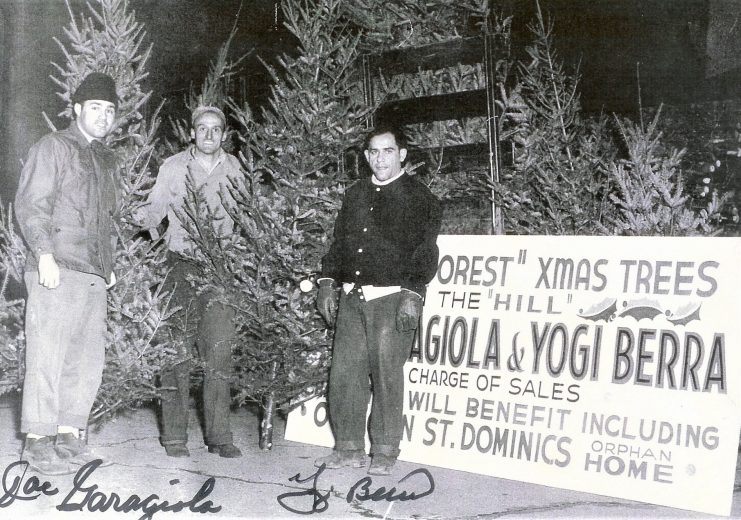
326	300
408	311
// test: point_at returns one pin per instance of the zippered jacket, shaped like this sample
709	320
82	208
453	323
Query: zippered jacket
67	201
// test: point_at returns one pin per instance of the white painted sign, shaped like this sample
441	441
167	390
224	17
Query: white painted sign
600	364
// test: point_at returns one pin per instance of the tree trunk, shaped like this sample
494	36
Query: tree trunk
268	413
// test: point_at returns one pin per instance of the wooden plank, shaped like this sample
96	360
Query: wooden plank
459	155
467	150
435	56
440	107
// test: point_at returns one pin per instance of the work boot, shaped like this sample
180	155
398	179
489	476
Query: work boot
74	450
43	458
178	450
341	459
381	464
228	451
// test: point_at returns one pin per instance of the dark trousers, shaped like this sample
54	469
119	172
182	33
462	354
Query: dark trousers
367	344
207	325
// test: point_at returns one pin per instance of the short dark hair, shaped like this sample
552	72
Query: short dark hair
387	128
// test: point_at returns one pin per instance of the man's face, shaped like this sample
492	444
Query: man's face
384	156
208	133
96	117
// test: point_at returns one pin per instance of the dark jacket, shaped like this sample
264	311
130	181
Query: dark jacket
386	235
66	202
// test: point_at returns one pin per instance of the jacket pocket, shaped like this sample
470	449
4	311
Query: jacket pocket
70	236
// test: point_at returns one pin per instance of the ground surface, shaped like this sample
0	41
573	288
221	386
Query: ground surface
255	485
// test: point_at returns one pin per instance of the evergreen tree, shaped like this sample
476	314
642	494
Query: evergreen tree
109	39
284	209
12	259
462	183
216	90
710	133
296	162
559	183
410	23
650	192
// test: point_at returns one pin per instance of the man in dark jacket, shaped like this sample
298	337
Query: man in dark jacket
65	205
383	255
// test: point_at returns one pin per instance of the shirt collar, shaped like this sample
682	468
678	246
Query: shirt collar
192	156
80	136
387	181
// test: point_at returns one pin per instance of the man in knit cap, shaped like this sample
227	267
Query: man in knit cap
206	167
66	204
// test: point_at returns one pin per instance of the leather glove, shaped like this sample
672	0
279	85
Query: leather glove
408	311
326	300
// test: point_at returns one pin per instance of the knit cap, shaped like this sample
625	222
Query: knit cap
96	85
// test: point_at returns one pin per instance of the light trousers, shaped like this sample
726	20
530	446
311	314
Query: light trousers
65	351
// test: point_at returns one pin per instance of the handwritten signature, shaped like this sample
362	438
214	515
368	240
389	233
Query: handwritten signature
86	495
19	488
362	490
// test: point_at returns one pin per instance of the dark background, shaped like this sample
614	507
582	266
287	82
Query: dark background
684	51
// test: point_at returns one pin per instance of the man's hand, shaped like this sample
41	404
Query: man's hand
48	271
408	311
112	282
140	216
326	300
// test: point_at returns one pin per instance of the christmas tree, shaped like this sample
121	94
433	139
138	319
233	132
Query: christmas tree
650	192
12	258
568	177
109	39
406	25
558	183
284	207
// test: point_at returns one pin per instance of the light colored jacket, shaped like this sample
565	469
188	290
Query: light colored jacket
170	191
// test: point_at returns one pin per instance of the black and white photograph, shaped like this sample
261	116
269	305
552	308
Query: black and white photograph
393	259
